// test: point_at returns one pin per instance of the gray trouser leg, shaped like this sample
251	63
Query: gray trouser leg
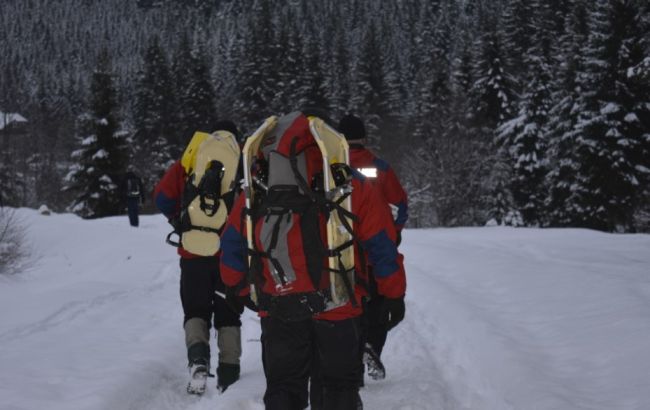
197	340
229	343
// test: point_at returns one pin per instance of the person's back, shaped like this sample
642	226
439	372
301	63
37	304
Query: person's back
134	193
200	281
294	328
133	185
374	168
377	321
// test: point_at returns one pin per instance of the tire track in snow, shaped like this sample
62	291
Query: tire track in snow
435	313
413	377
70	311
62	316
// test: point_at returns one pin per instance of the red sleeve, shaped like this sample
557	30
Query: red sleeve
395	195
234	247
169	190
376	231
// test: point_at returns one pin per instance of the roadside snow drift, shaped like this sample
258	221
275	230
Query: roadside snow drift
496	319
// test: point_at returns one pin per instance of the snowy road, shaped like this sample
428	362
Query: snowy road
497	319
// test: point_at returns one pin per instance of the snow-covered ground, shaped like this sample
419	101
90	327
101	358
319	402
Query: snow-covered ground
496	319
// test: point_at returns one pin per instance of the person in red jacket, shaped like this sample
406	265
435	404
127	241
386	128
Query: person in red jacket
200	280
377	317
328	338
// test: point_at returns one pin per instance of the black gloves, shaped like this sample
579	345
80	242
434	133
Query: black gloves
234	303
237	303
395	310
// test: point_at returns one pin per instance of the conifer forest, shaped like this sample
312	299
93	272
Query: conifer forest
517	112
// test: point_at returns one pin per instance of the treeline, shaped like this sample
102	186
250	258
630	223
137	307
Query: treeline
524	112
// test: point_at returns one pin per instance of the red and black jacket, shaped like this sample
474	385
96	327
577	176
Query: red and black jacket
386	180
373	227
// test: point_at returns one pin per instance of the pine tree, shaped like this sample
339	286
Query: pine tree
369	85
46	131
431	88
257	74
101	156
311	76
11	100
517	23
153	116
290	89
492	94
465	158
435	119
194	93
611	131
200	97
563	115
524	137
491	99
337	80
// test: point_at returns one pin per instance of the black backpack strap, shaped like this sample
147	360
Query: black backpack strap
302	183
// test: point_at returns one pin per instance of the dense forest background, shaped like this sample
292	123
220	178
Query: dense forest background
523	112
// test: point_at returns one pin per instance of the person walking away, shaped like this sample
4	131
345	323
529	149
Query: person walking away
377	319
199	282
134	193
303	315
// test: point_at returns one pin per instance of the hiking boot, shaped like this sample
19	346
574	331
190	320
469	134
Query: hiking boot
227	374
198	378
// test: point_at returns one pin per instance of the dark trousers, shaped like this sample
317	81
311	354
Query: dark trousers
290	349
199	279
376	321
133	207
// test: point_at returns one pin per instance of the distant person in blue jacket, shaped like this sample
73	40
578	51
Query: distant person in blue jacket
134	193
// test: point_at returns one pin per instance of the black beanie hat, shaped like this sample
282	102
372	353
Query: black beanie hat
352	127
227	125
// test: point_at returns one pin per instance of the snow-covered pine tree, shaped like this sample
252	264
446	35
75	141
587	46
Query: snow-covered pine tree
152	146
369	87
228	52
195	96
290	90
101	158
639	77
396	52
491	98
395	129
311	77
181	71
517	23
418	160
337	79
47	129
446	149
612	127
563	115
465	154
11	100
500	203
256	76
199	99
523	138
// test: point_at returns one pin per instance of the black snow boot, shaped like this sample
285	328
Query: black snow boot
227	374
